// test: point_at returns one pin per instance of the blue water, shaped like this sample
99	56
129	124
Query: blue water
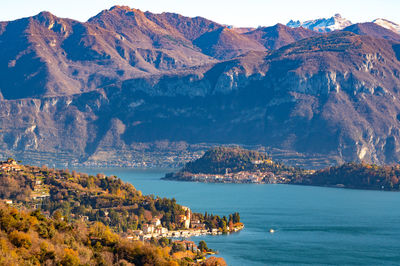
314	225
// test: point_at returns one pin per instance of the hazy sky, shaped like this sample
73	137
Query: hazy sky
232	12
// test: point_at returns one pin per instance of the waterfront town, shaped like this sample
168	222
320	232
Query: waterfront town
188	225
257	177
192	227
251	177
237	165
154	230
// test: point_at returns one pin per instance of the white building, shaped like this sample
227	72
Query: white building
148	228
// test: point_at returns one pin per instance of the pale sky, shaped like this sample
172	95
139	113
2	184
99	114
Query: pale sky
232	12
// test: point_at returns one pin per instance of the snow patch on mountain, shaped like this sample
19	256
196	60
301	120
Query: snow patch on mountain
323	24
387	24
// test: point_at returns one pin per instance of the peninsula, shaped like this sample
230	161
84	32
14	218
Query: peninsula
101	215
237	165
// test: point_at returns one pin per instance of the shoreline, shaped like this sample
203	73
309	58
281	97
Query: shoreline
338	186
186	233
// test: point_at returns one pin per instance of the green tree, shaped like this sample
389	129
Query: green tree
236	218
177	248
203	246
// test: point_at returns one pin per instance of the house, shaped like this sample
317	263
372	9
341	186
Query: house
189	245
145	237
148	228
137	232
197	221
214	231
40	197
133	237
156	222
196	224
8	201
161	230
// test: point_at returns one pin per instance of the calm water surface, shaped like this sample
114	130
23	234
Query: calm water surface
313	225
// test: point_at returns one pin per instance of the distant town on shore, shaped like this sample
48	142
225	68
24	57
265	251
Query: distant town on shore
238	165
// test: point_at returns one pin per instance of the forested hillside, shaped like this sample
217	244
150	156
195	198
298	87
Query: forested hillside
220	160
356	175
69	218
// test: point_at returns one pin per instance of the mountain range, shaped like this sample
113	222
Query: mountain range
322	24
126	81
337	22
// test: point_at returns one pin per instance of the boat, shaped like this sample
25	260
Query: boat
271	231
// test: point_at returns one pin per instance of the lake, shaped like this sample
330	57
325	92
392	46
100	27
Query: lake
313	225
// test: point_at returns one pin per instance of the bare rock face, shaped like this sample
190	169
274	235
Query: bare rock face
333	94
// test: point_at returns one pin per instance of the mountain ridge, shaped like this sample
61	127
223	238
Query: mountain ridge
279	35
107	89
387	24
322	25
374	30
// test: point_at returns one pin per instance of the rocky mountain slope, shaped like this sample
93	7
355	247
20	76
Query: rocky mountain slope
337	22
388	24
225	43
279	35
47	55
111	88
342	83
373	30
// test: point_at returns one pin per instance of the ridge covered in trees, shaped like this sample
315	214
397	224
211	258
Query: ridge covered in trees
221	163
68	218
356	175
106	199
220	160
30	238
235	165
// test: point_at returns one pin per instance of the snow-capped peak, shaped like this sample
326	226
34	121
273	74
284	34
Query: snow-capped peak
322	24
387	24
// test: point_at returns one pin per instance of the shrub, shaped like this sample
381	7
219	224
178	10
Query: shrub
70	258
20	239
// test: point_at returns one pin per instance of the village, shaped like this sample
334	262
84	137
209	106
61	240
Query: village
190	225
10	165
257	177
40	191
253	171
